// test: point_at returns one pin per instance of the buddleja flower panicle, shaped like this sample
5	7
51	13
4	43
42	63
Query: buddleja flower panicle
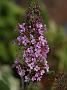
31	36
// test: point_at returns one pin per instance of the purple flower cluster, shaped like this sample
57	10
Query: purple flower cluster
36	48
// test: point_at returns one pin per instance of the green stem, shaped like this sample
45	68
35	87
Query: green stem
22	84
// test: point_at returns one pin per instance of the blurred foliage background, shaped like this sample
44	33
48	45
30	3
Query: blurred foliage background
11	12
